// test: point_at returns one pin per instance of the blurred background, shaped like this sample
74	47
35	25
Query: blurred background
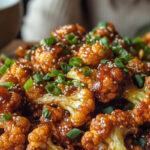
39	17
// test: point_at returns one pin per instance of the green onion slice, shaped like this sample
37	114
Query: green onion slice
38	78
28	84
75	61
6	117
108	110
46	113
86	70
3	69
74	133
7	84
49	41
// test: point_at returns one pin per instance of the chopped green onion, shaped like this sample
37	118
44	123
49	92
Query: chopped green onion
38	78
71	38
104	61
49	41
104	41
65	67
119	63
137	40
54	73
128	40
7	84
74	133
33	47
129	106
3	69
53	89
102	25
78	84
125	56
75	61
46	113
133	51
108	110
28	56
6	117
86	70
140	80
4	56
47	77
142	142
9	62
28	84
126	70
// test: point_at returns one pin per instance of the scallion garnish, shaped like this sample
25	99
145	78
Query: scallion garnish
53	89
46	113
4	56
118	62
49	41
142	142
104	61
78	84
3	69
128	40
65	67
74	133
86	70
104	41
7	84
139	78
102	25
75	61
38	78
28	56
71	38
28	84
6	117
108	110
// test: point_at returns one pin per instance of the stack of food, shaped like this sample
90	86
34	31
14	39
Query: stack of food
77	90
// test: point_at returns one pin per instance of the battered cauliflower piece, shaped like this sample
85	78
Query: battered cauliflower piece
106	82
91	55
108	31
108	132
146	38
9	101
80	104
14	136
40	139
137	66
46	58
61	32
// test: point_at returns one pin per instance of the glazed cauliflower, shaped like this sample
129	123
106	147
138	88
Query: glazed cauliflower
91	55
80	104
106	82
40	139
14	136
108	132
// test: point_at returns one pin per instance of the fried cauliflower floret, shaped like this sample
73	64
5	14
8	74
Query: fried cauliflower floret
61	32
46	58
138	66
106	82
91	55
109	31
40	139
9	101
14	136
108	132
80	104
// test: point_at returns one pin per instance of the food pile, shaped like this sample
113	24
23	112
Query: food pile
77	91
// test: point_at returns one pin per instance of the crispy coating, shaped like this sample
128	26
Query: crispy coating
109	32
79	104
109	82
137	66
9	101
96	51
14	136
146	38
108	131
61	32
40	139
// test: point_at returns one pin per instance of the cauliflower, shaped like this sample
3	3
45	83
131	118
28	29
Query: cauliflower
106	82
40	139
91	55
14	136
108	132
61	32
80	104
